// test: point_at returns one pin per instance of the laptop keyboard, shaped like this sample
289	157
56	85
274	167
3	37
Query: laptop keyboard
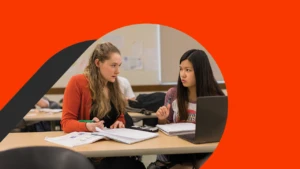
188	137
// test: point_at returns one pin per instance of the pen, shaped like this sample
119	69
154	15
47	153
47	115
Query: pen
87	121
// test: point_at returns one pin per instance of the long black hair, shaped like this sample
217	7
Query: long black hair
206	84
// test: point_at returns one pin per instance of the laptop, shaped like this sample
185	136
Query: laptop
211	116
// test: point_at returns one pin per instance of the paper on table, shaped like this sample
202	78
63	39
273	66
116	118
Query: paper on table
46	110
177	128
124	132
75	139
125	135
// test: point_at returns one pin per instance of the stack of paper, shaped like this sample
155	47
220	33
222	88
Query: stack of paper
174	129
125	135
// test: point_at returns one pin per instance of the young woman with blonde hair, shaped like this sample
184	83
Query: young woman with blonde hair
96	95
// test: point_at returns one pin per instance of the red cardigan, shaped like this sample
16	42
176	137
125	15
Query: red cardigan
77	104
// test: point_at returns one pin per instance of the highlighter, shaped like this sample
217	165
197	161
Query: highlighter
87	121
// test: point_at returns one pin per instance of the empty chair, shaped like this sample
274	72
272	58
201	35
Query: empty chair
43	158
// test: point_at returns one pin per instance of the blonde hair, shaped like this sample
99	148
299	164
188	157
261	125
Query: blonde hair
101	104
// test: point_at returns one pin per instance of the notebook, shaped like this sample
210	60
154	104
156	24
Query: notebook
123	135
175	129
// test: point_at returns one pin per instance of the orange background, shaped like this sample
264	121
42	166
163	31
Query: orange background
256	45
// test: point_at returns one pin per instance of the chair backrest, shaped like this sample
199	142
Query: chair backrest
43	157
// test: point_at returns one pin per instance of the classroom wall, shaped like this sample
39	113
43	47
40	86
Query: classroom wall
173	44
150	54
159	48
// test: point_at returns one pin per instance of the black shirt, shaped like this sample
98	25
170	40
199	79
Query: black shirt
110	118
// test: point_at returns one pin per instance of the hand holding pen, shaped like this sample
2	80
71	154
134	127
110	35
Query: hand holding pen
92	124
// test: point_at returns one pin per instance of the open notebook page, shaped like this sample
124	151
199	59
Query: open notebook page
75	139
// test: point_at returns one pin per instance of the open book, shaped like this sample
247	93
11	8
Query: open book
175	129
123	135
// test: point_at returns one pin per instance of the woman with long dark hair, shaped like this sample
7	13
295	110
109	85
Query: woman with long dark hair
195	79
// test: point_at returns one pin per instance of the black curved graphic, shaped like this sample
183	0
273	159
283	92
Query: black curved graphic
38	85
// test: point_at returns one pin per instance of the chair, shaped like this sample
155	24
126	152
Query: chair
43	157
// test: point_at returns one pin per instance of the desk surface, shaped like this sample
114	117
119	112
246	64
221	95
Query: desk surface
42	116
162	144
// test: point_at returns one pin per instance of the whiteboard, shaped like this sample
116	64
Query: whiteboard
140	50
150	54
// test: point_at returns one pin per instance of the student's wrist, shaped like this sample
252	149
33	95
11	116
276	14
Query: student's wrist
87	127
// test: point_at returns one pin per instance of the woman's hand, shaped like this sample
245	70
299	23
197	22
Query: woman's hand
163	112
117	124
97	123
